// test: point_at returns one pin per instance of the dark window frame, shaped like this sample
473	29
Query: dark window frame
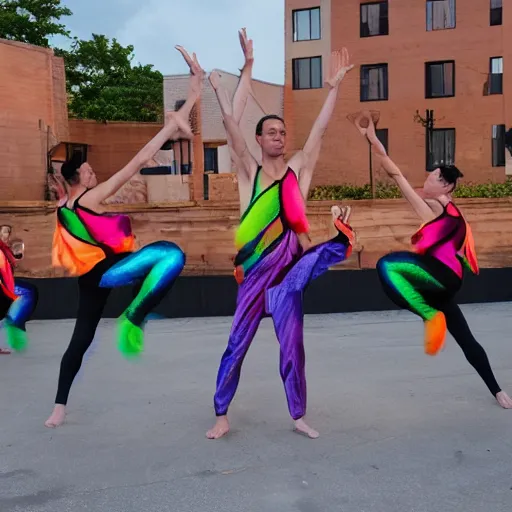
498	159
498	82
362	32
383	136
428	84
430	158
444	28
295	78
319	27
73	149
367	67
495	15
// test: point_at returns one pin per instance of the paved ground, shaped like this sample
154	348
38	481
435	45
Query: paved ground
401	432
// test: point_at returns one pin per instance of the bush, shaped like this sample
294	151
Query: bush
387	191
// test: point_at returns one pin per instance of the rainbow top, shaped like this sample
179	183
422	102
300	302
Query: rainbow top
7	263
270	214
83	238
449	239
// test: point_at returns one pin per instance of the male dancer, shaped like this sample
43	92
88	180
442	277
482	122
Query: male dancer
99	248
271	276
18	299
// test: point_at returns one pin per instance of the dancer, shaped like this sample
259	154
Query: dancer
98	247
426	281
270	274
18	299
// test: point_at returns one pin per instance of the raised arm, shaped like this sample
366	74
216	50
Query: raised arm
304	161
244	88
246	165
175	122
419	205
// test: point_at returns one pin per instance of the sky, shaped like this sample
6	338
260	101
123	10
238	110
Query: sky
206	27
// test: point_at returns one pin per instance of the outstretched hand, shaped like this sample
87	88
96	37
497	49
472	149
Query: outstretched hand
184	129
364	123
340	66
247	46
197	72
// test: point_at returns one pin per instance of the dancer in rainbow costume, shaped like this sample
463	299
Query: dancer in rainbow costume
426	279
18	299
100	248
276	260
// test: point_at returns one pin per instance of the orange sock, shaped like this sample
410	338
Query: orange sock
435	333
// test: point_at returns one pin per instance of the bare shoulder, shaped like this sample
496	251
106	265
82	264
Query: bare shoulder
297	162
435	205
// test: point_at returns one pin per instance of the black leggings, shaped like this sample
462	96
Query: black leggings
424	286
157	265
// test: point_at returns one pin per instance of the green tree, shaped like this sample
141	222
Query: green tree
32	21
104	85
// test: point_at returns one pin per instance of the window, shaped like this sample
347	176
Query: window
382	135
498	145
307	73
496	76
306	24
374	19
440	14
496	12
76	152
440	79
442	148
374	82
211	161
178	104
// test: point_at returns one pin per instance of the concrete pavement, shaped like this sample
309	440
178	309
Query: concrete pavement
400	432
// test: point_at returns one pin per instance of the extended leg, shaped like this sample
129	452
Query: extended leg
248	315
408	280
19	313
474	352
90	308
159	264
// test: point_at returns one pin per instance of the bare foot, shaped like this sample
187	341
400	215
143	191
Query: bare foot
504	400
221	428
302	428
57	417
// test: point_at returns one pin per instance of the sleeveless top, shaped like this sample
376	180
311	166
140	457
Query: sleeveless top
449	239
83	238
271	213
7	264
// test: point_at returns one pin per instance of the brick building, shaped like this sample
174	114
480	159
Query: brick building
33	117
269	99
445	57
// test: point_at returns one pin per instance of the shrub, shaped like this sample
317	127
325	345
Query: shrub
387	191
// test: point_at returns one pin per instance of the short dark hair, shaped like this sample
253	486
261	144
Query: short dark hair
450	174
69	171
259	126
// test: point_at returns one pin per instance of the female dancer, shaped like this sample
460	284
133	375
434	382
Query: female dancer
426	280
98	247
18	299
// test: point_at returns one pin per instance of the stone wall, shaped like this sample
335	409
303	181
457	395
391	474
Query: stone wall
205	230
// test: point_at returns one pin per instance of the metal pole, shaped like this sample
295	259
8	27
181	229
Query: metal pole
372	181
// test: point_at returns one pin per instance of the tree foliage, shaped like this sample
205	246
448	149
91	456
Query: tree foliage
101	81
32	21
104	85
